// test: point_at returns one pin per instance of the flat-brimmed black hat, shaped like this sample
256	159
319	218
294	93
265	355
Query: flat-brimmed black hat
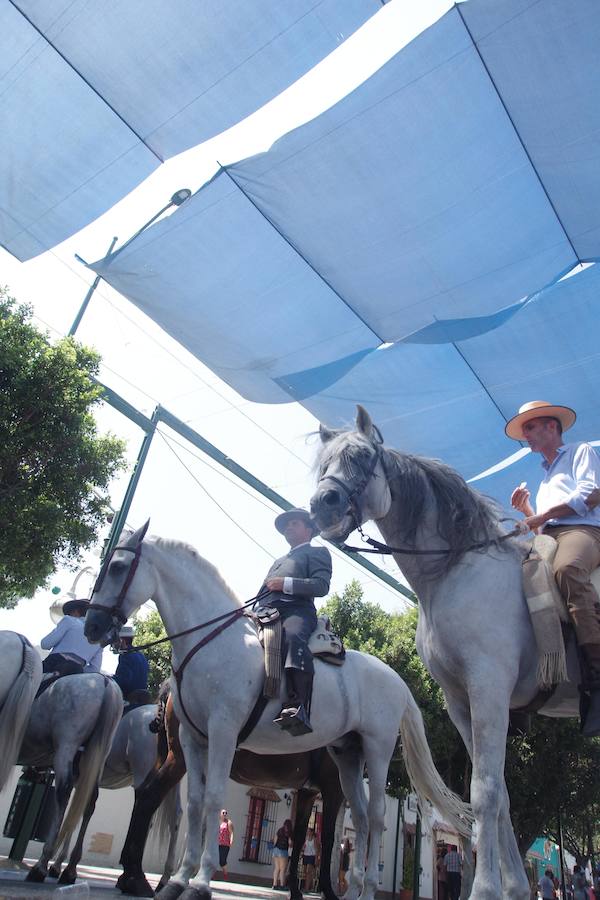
283	518
72	606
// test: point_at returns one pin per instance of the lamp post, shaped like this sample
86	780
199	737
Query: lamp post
177	199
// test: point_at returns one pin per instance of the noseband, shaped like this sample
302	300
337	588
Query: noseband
352	494
115	610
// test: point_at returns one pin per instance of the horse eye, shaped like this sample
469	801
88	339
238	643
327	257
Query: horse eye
117	568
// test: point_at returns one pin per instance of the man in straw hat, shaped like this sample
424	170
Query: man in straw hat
292	583
71	650
566	510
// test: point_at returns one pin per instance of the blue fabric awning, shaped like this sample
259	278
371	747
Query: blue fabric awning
434	208
94	96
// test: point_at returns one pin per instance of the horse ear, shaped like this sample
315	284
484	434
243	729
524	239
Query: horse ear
364	423
138	536
325	434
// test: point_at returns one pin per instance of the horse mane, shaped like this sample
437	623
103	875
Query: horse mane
173	546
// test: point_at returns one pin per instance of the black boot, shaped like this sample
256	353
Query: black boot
589	704
294	715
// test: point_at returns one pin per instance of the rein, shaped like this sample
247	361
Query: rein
382	548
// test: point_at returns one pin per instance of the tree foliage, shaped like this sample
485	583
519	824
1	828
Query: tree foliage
549	767
149	629
54	466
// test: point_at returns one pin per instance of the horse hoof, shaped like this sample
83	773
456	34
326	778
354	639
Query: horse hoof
136	886
35	875
67	877
196	893
171	891
53	872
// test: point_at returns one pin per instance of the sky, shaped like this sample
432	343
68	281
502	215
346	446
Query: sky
185	495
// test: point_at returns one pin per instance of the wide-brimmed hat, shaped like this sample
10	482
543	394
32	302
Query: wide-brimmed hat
127	631
536	409
72	606
283	518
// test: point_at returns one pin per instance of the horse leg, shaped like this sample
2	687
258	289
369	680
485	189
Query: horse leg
148	797
69	876
350	763
332	796
196	762
515	885
221	749
485	739
63	770
59	858
304	806
378	753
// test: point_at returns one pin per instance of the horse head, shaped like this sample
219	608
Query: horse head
124	583
353	485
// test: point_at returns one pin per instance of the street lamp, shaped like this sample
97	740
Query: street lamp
177	199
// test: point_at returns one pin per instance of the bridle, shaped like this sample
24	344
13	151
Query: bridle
115	611
353	494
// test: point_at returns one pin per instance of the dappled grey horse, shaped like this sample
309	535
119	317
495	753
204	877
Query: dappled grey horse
74	712
130	760
474	633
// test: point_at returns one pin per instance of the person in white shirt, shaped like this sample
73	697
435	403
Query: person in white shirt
566	511
71	653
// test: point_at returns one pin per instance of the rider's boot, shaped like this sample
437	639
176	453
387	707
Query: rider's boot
590	691
294	716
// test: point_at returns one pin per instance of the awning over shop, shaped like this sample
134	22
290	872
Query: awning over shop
94	96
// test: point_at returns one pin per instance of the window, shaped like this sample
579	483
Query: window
260	830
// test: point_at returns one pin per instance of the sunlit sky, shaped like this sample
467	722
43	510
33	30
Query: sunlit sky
185	495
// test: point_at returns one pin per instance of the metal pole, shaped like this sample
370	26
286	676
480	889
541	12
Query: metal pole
121	517
89	294
417	866
395	874
560	856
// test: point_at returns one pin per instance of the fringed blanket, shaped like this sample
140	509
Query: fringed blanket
545	604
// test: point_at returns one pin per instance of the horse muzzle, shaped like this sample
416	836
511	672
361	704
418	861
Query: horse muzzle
99	626
333	514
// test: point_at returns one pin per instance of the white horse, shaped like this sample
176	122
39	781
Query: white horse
357	710
20	676
474	633
131	759
74	712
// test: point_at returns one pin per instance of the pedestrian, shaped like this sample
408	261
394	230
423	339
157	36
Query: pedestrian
310	852
442	883
579	883
346	849
571	473
291	585
453	864
546	885
225	840
281	850
71	653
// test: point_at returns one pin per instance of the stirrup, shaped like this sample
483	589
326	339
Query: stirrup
297	723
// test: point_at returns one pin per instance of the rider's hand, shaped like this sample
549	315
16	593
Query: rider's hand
519	499
532	523
594	499
275	584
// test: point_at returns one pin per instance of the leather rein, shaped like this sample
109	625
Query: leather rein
379	547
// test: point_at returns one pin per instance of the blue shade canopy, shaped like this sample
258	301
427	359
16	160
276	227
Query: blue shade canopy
434	208
95	95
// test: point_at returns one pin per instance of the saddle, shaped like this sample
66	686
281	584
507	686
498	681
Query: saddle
548	609
323	644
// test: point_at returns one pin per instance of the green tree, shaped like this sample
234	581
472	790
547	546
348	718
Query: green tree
147	629
54	466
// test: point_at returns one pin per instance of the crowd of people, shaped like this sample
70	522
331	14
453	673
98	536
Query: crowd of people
577	885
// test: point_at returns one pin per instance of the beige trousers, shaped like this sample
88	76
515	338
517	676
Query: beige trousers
578	554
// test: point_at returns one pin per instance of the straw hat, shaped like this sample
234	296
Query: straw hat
537	409
283	518
75	605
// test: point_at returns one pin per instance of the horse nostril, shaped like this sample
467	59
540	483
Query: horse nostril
331	498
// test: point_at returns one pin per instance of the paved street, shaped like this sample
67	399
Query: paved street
101	884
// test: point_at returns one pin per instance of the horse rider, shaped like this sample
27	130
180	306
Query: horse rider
565	510
71	653
292	583
132	669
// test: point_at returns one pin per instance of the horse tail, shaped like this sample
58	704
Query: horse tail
425	778
14	716
94	756
166	818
